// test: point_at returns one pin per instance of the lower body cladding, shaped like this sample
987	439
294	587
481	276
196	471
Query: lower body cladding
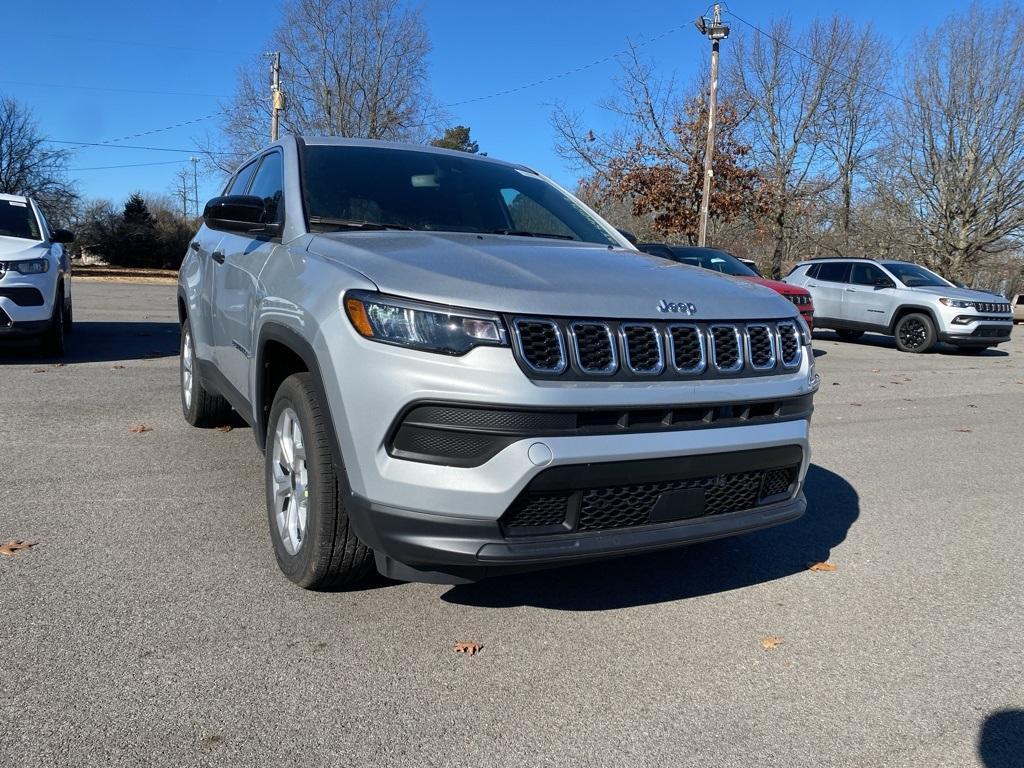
590	497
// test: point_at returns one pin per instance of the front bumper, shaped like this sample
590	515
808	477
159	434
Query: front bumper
26	302
968	327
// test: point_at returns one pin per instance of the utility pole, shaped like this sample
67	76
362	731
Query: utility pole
195	180
277	100
714	31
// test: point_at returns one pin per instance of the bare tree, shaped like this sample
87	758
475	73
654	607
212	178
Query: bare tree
853	122
958	140
781	81
348	67
28	166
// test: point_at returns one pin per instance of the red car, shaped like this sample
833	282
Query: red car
727	264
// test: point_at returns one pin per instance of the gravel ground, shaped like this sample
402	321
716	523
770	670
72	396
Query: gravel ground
150	625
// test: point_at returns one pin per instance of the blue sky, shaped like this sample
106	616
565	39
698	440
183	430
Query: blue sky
175	61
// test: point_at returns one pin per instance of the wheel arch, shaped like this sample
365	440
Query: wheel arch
280	352
908	309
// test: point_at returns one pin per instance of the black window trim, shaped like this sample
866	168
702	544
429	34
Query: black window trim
282	211
849	270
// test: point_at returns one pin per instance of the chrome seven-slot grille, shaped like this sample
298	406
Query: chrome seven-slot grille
983	306
549	348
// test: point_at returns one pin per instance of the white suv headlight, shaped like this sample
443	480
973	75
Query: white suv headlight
956	303
31	266
429	327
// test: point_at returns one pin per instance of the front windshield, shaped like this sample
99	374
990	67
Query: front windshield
17	219
914	276
348	186
717	261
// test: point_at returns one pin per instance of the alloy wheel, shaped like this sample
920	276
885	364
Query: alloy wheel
290	477
187	362
913	333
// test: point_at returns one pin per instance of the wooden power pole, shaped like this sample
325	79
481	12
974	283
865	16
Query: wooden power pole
277	100
715	31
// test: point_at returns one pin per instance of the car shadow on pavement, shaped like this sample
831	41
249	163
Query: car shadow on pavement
701	569
1001	741
887	342
100	343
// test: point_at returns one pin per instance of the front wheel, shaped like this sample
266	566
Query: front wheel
53	342
915	333
313	539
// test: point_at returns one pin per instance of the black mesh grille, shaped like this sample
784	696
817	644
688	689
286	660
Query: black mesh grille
776	481
790	340
631	505
536	511
686	349
991	331
541	344
762	351
643	348
726	349
454	445
594	347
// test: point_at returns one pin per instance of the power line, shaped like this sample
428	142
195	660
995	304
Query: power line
129	165
190	151
112	90
822	64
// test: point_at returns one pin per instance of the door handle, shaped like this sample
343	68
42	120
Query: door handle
851	290
194	245
218	256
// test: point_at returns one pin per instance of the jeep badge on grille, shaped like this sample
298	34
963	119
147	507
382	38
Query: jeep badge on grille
677	307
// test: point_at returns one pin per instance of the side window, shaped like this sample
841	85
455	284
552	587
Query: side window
1020	300
812	271
865	274
268	183
241	180
834	271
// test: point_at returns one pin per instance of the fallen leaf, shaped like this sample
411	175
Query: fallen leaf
858	405
140	428
771	642
224	428
38	370
971	405
116	367
821	567
59	365
963	429
835	383
876	370
470	649
14	546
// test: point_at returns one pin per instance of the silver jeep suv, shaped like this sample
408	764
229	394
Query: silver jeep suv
913	304
456	369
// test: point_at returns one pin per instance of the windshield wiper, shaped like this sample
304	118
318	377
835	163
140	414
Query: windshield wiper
527	233
352	224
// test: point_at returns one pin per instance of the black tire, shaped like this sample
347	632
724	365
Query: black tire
69	318
53	338
915	333
848	335
328	553
203	409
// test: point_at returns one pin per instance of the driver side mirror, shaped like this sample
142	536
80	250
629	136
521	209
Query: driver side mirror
628	235
62	236
239	213
884	282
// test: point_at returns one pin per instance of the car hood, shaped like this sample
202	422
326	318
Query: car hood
777	285
17	248
964	294
536	276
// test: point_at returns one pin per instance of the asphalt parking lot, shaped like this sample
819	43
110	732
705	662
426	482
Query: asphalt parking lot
150	626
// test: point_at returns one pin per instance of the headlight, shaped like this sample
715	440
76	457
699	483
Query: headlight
428	327
957	303
31	266
805	332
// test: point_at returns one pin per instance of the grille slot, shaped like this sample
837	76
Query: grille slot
642	347
687	349
789	345
540	344
594	347
726	350
777	482
760	347
539	511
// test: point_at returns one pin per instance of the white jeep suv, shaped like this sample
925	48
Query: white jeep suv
35	275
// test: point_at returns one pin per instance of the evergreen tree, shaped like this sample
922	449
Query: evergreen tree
457	137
